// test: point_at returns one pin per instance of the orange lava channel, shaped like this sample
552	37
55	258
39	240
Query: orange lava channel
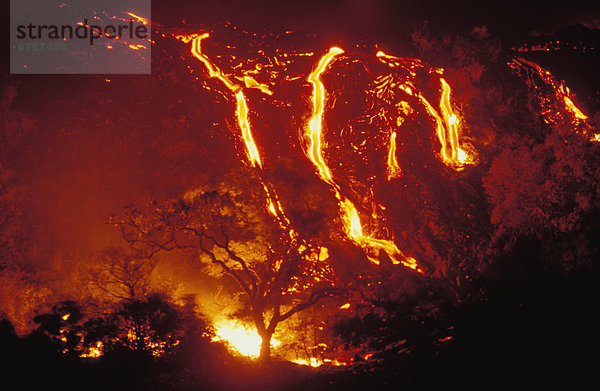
350	216
242	107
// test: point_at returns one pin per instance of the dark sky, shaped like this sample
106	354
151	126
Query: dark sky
386	20
508	18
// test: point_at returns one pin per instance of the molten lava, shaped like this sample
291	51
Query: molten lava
242	107
405	87
456	156
393	169
553	113
350	215
314	133
315	125
447	124
273	204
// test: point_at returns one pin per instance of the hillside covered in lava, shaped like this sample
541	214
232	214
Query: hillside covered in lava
272	210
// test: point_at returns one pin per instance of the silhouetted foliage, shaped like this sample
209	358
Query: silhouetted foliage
150	325
549	192
61	325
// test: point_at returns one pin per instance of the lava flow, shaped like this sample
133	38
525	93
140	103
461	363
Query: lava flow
551	111
398	120
393	170
447	124
273	204
242	107
447	128
350	215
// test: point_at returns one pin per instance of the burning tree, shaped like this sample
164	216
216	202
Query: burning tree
275	271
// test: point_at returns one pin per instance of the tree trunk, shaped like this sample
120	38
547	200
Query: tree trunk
265	347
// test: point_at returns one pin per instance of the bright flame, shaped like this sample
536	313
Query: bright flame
313	362
94	351
241	338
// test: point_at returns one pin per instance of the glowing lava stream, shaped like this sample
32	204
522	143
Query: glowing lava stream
349	213
457	157
447	129
242	107
393	169
273	204
562	93
315	125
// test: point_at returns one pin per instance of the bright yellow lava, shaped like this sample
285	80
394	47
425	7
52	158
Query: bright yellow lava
447	123
242	107
138	18
315	124
570	106
451	131
561	91
350	216
242	115
447	127
393	169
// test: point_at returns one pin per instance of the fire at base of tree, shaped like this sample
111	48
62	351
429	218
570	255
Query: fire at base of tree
364	221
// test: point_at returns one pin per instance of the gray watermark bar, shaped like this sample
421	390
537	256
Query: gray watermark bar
80	37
